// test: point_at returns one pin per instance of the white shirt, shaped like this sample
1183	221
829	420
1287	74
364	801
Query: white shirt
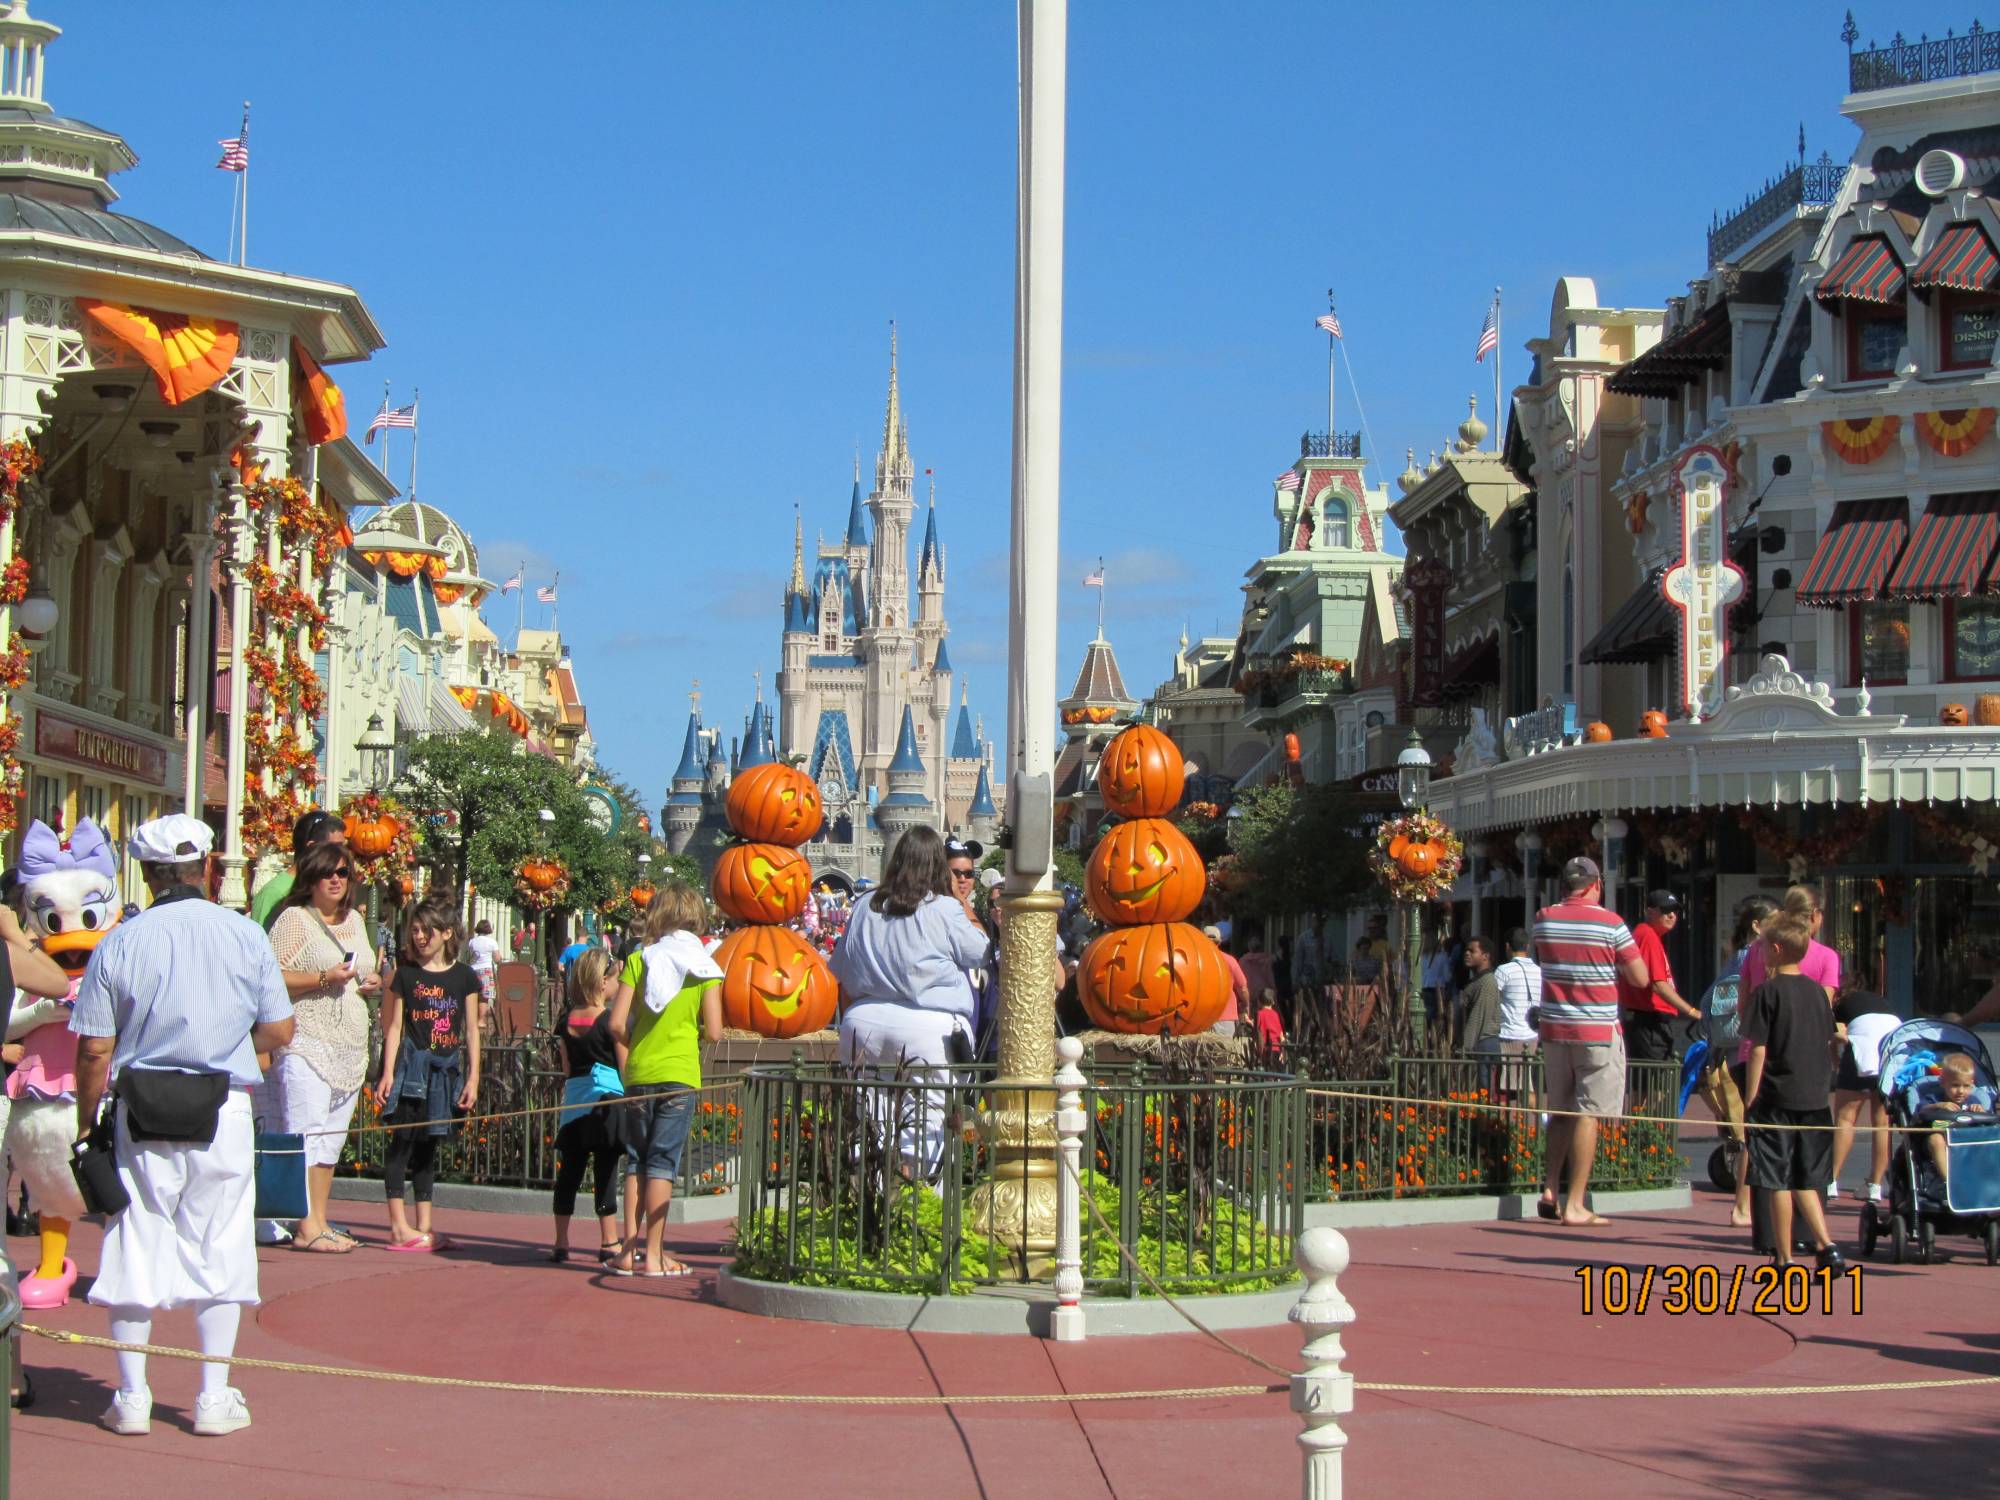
918	960
482	951
1520	991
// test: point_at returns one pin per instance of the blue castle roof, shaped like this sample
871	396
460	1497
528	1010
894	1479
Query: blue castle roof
964	744
982	797
857	519
798	613
854	610
831	741
757	747
690	767
907	758
943	662
930	552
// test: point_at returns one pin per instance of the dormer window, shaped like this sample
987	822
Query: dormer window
1968	329
1874	339
1334	533
1961	270
1865	288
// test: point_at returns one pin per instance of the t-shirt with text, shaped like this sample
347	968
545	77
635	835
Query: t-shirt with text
1788	1015
435	1005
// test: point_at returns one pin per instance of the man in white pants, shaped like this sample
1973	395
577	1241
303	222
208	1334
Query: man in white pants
185	994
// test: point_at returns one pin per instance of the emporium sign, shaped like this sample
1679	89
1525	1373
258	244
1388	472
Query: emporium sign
86	745
1704	582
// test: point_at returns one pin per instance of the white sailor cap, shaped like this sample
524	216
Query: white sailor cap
174	839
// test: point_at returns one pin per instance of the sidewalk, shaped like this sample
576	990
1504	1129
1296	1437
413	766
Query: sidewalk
1464	1304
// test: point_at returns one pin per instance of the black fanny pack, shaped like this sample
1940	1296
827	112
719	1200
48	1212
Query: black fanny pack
182	1107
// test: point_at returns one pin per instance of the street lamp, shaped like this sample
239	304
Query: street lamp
375	747
1413	773
1413	785
1232	824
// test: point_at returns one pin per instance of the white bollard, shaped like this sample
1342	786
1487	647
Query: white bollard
1066	1326
1324	1391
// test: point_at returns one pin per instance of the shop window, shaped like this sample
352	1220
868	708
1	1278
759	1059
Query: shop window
1968	329
1873	341
1972	639
92	802
1879	643
45	800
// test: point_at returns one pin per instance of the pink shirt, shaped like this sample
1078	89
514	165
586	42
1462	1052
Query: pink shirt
47	1069
1820	963
1239	988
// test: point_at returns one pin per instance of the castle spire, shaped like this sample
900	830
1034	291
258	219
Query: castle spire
798	585
892	424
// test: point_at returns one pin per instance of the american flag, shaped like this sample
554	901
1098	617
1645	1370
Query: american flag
235	154
1489	335
1330	323
402	416
1094	580
520	577
546	595
1289	480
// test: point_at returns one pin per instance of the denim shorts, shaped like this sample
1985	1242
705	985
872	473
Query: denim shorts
656	1126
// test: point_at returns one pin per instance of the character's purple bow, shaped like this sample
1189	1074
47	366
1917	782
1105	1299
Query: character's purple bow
42	853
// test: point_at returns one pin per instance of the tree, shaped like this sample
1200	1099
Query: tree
1298	850
1068	863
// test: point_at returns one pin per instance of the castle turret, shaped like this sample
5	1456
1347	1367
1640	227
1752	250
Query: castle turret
907	805
758	750
684	793
886	649
982	817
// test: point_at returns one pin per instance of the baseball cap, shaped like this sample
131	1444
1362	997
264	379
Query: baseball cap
959	848
1212	933
315	827
172	840
990	878
1581	873
1662	901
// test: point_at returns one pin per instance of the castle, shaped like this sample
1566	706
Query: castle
864	690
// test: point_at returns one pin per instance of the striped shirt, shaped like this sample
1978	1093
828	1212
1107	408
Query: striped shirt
1579	948
180	986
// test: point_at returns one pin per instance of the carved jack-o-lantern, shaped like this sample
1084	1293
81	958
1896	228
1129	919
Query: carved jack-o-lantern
1596	732
1163	977
1145	871
1653	724
1141	773
371	836
1419	860
775	983
774	804
762	882
1954	713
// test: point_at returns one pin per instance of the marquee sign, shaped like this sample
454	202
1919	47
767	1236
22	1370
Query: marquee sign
1704	582
1426	581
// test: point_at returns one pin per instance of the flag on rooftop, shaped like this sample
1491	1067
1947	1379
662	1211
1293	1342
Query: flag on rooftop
1489	335
1289	480
520	577
235	154
546	595
402	416
1330	323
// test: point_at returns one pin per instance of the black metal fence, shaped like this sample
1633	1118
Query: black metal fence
1923	61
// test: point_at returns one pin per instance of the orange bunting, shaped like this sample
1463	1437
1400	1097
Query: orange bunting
322	409
407	564
1956	433
1861	441
186	354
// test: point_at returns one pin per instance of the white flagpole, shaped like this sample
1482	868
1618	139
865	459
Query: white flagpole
1499	416
1329	375
521	606
235	209
243	240
1100	598
416	400
555	603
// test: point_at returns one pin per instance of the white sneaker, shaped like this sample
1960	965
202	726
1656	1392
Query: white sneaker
130	1413
1874	1192
226	1412
1832	1191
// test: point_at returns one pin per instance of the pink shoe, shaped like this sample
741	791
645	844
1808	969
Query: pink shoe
43	1292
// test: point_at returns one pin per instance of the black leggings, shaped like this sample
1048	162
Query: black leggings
414	1152
587	1141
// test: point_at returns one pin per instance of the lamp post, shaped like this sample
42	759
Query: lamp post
1413	785
373	753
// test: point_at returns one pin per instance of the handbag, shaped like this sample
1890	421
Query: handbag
172	1106
281	1175
93	1161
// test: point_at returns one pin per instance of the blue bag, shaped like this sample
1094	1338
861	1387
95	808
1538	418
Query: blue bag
281	1175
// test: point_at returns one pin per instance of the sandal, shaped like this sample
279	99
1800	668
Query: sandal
326	1242
608	1253
1548	1209
678	1270
558	1255
421	1245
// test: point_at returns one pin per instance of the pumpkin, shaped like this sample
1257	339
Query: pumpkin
774	804
1398	844
406	885
1596	732
1292	749
1954	713
1162	977
1141	773
642	895
1145	871
761	882
1419	860
775	983
1653	724
540	873
371	836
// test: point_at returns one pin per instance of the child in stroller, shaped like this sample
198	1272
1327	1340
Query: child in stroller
1938	1083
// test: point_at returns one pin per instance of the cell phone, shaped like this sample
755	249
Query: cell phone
348	959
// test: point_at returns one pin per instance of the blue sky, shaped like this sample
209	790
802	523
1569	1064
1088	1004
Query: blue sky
642	257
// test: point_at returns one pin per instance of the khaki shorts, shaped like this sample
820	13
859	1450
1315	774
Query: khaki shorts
1586	1076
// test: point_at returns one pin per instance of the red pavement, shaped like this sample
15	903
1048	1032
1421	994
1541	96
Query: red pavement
1463	1304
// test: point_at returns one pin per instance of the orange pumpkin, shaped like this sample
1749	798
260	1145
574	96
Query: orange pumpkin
540	873
406	885
775	983
1291	749
761	882
1163	977
642	895
371	836
1141	773
1397	845
1145	871
1419	860
775	804
1596	732
1653	724
1953	713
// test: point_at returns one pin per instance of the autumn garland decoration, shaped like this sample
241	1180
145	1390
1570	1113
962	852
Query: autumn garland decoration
18	460
369	813
541	882
1416	856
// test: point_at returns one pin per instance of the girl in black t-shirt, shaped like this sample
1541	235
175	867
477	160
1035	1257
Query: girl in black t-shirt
589	1134
430	1064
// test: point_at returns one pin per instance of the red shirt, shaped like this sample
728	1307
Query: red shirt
1270	1030
1641	997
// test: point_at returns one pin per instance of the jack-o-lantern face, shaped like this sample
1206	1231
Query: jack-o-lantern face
762	882
1141	773
1653	724
774	804
1953	713
775	983
1597	732
1145	871
1419	860
1163	977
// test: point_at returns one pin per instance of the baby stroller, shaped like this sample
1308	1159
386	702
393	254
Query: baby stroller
1711	1045
1921	1206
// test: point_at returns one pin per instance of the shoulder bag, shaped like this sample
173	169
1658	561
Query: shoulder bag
93	1161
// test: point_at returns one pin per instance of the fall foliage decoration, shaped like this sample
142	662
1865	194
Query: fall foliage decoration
18	460
1416	856
381	840
541	882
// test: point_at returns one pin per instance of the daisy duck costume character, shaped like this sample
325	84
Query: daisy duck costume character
69	894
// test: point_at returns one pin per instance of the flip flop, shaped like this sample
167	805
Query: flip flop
421	1245
333	1244
441	1242
679	1270
1548	1210
1594	1221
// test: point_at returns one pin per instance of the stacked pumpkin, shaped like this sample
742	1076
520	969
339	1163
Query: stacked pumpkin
1153	972
773	981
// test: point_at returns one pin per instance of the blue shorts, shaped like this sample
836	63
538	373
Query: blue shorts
656	1126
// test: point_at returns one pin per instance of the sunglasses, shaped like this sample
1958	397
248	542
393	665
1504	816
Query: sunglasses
963	874
338	875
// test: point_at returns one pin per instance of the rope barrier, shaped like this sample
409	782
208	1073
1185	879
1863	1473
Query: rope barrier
1569	1114
512	1114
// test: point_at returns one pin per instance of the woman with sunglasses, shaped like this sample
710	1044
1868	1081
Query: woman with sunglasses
322	943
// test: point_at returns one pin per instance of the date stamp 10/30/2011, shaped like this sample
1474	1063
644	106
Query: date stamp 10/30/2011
1616	1291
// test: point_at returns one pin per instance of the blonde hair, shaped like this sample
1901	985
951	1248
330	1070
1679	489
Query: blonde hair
676	907
1789	935
586	977
1803	901
1956	1065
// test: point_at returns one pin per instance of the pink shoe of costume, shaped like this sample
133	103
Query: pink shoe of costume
43	1292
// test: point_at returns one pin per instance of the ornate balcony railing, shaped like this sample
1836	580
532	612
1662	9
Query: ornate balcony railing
1330	445
1806	185
1922	61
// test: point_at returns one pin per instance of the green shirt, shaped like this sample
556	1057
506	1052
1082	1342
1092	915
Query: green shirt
269	897
666	1044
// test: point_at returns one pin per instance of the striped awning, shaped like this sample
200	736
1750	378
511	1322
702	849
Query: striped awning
1856	553
1867	271
1962	259
1950	550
